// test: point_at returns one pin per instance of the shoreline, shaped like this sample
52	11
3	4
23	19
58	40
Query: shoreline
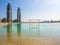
3	24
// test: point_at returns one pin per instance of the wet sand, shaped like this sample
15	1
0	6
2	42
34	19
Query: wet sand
3	24
30	41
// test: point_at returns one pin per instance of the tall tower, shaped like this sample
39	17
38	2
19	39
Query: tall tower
18	15
9	13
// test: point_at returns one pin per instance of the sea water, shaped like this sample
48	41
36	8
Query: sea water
27	31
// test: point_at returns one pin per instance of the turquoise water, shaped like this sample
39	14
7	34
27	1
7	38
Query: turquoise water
31	30
30	34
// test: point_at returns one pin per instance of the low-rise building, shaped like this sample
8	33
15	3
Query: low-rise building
4	20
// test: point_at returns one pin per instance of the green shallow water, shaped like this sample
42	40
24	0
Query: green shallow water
34	30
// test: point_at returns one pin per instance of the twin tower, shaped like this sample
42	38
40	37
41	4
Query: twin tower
9	14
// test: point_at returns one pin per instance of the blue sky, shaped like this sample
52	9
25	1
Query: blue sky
32	9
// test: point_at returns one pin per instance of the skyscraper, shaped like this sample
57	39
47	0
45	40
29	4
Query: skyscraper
9	13
18	15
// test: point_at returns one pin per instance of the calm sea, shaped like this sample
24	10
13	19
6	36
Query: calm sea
30	30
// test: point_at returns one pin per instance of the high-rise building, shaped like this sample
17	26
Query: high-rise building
18	15
9	13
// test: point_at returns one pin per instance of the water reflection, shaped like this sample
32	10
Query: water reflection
9	32
19	30
34	29
19	41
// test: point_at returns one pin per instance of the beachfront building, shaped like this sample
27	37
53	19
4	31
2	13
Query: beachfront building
9	13
4	20
18	15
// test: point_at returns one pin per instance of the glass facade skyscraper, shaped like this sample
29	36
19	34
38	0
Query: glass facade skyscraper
18	15
9	13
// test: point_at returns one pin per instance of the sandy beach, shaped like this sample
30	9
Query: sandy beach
30	41
3	24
